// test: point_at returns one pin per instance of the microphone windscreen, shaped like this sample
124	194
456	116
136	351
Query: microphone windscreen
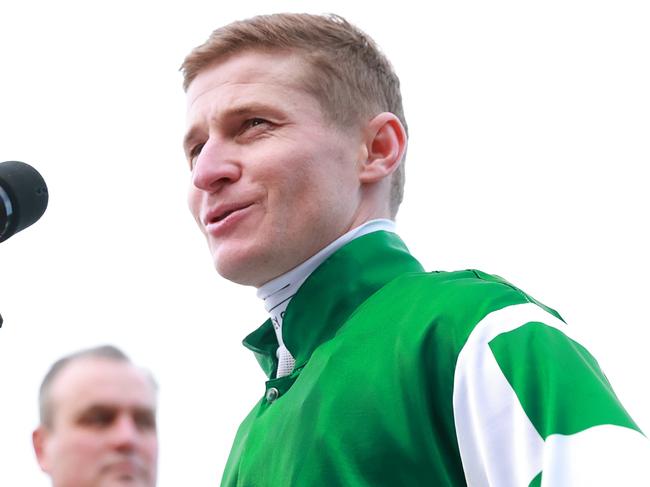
27	193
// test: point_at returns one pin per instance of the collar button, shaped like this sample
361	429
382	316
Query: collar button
272	394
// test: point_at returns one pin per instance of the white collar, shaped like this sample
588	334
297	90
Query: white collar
283	287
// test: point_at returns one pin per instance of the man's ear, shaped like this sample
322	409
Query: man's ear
39	440
385	146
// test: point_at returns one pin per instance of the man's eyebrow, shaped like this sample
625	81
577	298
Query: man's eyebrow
114	408
251	108
94	409
100	406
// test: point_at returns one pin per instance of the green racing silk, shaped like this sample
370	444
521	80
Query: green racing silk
409	378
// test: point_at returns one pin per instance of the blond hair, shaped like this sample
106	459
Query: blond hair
349	76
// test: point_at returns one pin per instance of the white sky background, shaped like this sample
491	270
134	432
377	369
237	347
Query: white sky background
528	158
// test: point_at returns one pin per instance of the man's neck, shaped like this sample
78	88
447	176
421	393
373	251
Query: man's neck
277	293
274	290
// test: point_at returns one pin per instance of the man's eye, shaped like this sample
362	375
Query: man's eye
196	150
254	122
194	153
145	420
98	420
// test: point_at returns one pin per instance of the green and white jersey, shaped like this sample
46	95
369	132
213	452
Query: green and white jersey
404	377
531	407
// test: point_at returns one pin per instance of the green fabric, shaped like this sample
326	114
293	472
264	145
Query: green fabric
558	383
370	401
537	481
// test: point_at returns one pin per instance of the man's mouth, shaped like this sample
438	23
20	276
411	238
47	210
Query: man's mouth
219	214
224	215
125	468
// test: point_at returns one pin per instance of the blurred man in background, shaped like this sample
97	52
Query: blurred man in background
97	421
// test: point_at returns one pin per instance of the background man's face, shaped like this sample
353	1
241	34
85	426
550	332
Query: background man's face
104	426
273	180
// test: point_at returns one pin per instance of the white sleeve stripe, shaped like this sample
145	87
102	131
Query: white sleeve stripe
500	447
601	455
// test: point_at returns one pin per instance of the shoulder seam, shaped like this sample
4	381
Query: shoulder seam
504	283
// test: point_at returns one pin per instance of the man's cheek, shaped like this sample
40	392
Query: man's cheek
194	205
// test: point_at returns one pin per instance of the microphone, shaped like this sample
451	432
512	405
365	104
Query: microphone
23	197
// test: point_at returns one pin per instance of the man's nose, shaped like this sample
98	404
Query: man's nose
124	433
215	166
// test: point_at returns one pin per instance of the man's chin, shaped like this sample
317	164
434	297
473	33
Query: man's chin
124	473
122	480
244	268
243	277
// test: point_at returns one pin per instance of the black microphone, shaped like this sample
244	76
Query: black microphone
23	197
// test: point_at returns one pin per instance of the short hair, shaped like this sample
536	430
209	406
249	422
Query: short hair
108	352
350	77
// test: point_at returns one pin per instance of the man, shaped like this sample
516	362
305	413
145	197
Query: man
97	421
379	373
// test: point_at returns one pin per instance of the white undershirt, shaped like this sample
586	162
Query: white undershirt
277	293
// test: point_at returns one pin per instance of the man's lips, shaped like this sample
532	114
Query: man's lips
222	219
127	467
222	212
